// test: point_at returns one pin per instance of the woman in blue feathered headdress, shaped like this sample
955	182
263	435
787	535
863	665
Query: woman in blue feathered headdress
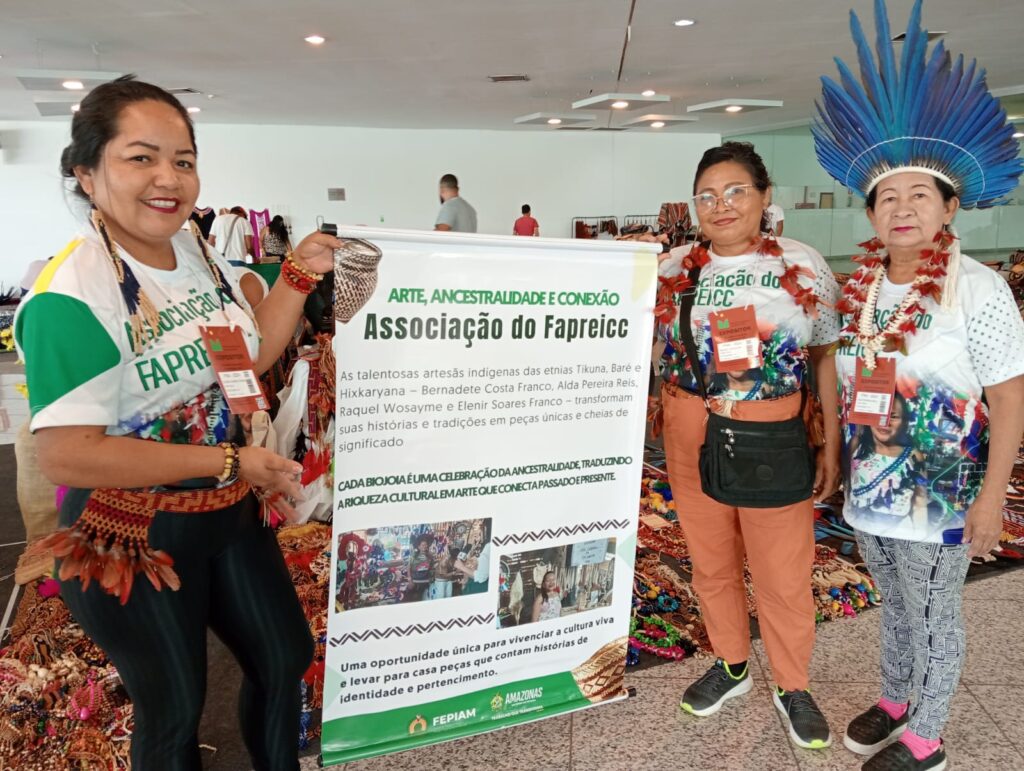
920	138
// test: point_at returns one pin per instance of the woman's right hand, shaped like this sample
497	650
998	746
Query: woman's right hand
275	475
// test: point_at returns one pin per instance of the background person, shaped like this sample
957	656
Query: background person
775	219
547	604
456	214
526	225
231	235
275	241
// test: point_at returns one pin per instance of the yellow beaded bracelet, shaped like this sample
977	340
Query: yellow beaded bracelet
290	257
232	463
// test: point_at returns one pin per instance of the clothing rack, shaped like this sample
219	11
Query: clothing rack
593	227
650	220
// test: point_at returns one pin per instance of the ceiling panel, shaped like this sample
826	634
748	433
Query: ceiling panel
397	63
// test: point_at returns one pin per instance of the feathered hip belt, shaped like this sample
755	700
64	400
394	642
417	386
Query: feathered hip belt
110	541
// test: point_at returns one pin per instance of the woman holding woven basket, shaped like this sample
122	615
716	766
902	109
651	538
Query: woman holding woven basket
931	367
162	535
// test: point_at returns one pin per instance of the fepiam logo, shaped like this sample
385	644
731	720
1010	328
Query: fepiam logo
418	725
497	703
453	717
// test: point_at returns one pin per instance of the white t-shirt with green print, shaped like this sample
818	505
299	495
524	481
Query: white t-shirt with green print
72	332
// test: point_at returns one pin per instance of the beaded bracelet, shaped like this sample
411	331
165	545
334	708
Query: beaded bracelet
298	278
290	259
232	463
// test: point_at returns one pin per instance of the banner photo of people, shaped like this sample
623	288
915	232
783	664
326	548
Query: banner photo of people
491	403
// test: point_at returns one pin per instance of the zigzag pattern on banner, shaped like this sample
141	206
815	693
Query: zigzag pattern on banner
405	631
537	535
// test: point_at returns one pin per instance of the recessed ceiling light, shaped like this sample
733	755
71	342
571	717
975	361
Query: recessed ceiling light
554	121
73	85
620	105
315	40
648	92
1018	135
75	107
194	109
658	124
734	108
684	22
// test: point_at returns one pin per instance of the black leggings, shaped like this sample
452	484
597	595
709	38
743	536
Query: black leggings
234	581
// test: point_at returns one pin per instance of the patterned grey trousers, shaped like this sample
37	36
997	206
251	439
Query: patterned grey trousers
922	629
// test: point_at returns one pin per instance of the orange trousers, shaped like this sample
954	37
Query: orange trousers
779	546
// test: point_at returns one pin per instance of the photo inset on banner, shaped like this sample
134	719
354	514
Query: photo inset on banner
545	584
410	563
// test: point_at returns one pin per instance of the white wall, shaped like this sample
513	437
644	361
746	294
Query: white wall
390	177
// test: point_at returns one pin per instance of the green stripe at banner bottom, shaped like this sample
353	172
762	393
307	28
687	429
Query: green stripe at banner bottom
378	733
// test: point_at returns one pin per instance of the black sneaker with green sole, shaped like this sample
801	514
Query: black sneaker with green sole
715	687
874	730
807	726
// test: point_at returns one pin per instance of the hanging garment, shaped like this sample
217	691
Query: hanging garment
258	220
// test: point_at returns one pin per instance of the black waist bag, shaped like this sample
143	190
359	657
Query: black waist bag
742	462
756	465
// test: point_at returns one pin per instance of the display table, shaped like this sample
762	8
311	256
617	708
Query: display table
269	270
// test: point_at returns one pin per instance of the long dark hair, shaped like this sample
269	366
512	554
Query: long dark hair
278	228
540	589
866	446
95	123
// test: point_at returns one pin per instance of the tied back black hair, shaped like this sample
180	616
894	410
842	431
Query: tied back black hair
742	153
95	123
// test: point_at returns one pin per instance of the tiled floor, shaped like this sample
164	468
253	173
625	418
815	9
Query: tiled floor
986	732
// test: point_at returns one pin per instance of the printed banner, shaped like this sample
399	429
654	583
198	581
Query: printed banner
491	400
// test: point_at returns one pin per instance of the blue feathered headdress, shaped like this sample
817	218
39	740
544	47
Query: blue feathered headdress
930	115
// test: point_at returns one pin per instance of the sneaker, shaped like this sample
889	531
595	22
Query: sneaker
807	726
715	687
874	730
898	757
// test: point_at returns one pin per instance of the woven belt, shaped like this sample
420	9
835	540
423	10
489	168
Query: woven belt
110	541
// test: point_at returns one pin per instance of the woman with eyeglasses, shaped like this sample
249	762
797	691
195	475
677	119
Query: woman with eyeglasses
781	292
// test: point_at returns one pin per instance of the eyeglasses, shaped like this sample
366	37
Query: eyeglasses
731	197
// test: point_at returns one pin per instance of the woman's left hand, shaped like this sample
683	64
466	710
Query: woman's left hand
983	527
315	252
826	476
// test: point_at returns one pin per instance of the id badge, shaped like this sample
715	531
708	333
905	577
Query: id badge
232	365
737	342
873	392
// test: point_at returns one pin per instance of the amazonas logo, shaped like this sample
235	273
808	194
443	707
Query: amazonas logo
516	698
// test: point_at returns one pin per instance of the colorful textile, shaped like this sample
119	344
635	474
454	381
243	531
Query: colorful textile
922	627
919	475
784	327
109	543
74	332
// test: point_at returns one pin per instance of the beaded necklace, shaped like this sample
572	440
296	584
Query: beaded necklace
670	287
860	297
